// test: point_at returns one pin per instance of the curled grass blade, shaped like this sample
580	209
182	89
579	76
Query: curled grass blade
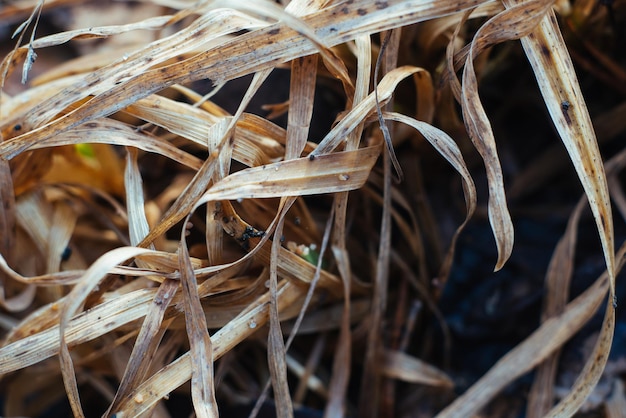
547	53
202	381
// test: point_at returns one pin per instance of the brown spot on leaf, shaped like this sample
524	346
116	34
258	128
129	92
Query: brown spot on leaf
361	12
565	105
603	221
553	19
274	31
199	34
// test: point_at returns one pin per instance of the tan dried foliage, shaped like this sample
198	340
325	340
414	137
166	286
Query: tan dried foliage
125	293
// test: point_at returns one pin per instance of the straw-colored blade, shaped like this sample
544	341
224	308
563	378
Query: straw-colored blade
403	367
336	172
167	168
559	86
202	380
551	335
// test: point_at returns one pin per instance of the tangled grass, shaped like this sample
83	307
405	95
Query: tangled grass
147	233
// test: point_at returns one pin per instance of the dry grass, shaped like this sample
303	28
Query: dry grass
146	232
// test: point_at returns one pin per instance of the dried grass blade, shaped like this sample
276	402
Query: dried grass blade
338	386
362	110
341	171
137	221
7	216
557	283
336	405
548	56
399	365
389	56
306	372
147	342
304	7
193	123
190	195
43	318
591	373
288	17
301	94
449	150
294	267
371	383
276	353
22	300
153	23
179	371
364	71
202	381
509	24
314	282
178	118
616	404
276	349
132	66
82	328
479	129
62	226
425	97
30	55
534	349
126	82
107	131
214	233
34	216
92	277
305	375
